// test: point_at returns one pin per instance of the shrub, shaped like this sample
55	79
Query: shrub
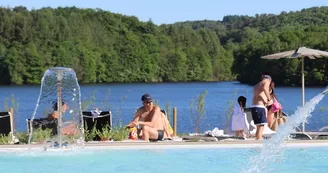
89	135
120	133
40	135
105	133
5	139
22	137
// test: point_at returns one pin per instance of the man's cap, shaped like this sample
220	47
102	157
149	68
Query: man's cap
146	98
267	77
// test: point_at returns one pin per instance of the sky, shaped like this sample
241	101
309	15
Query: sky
170	11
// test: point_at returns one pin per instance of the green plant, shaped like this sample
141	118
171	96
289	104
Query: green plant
229	111
40	135
322	138
91	101
322	109
107	105
119	110
89	135
22	137
156	102
197	115
104	104
5	139
13	103
105	132
168	110
195	139
120	133
181	134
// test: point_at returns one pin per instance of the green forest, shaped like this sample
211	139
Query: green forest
105	47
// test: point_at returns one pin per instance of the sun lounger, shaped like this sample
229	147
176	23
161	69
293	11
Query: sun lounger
105	117
309	135
6	123
267	133
43	123
98	121
321	134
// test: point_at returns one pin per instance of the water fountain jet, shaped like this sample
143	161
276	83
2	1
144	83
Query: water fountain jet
272	148
60	91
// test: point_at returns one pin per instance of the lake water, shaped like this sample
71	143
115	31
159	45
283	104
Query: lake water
124	99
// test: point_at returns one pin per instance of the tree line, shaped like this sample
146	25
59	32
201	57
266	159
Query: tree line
105	47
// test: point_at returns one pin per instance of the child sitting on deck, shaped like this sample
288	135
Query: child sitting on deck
239	120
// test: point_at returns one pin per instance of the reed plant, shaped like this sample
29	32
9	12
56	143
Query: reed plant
107	106
86	103
156	102
229	111
119	112
11	102
90	103
168	110
197	107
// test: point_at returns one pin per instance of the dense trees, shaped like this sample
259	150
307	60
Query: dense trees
104	47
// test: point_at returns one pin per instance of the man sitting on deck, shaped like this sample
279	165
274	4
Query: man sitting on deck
154	124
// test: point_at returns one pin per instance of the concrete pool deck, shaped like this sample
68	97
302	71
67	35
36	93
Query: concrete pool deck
178	145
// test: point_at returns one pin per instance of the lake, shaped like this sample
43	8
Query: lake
124	99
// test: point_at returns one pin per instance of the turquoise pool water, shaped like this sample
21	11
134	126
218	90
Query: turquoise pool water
160	160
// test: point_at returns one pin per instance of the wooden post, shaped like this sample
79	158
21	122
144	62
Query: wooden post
11	110
175	114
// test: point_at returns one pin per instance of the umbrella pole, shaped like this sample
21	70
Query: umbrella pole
303	93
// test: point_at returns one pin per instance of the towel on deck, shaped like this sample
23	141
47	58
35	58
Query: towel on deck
239	120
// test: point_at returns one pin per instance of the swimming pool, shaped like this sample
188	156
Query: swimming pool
176	160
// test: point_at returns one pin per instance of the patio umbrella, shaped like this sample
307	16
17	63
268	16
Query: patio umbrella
300	52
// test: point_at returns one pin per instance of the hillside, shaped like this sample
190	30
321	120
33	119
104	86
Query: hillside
104	47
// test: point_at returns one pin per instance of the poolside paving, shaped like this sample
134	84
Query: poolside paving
128	144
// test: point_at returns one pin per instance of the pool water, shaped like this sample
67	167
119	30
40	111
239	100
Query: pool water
160	160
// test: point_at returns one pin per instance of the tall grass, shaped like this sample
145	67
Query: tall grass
11	102
168	110
119	112
229	110
90	103
86	103
197	107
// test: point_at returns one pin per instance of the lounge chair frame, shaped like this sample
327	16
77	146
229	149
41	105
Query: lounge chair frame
3	116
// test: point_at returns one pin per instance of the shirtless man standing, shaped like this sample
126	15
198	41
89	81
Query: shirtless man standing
154	124
261	96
